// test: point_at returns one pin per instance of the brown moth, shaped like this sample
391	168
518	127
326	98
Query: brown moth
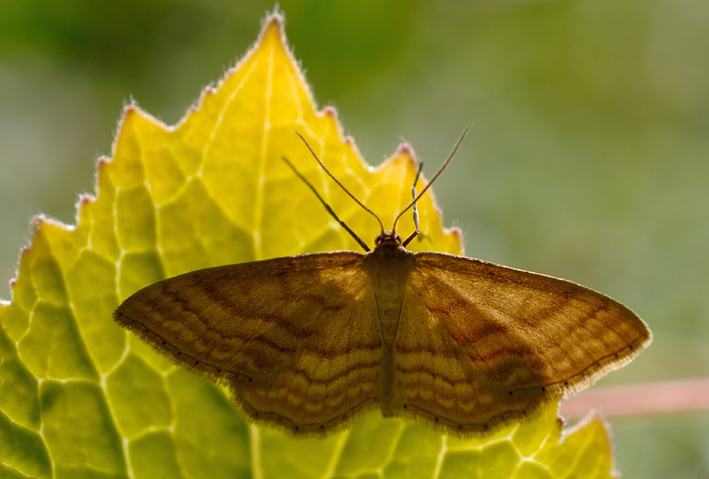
309	342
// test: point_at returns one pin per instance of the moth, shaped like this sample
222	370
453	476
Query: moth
309	342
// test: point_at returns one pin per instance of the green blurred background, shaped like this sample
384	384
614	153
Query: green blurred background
589	158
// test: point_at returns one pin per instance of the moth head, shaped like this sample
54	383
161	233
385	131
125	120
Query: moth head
388	237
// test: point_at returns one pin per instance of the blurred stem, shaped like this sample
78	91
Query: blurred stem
640	399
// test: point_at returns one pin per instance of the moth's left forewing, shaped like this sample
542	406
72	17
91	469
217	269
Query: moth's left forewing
520	338
571	334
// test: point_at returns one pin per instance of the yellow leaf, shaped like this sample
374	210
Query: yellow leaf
80	397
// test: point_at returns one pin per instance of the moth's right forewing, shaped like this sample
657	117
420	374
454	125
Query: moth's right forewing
295	338
336	375
244	319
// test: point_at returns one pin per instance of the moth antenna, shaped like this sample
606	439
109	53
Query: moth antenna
415	209
327	207
425	188
381	225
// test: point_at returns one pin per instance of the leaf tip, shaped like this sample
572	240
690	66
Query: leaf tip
275	19
594	425
406	149
455	231
37	221
130	108
85	199
330	111
273	28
